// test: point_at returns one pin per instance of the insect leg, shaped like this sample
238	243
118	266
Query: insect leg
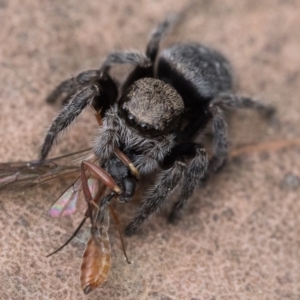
117	221
101	175
71	237
88	214
96	259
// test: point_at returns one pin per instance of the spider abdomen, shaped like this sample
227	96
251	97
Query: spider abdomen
195	71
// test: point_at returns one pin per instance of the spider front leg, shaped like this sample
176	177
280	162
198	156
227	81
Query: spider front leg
70	86
165	184
193	175
94	87
168	180
100	92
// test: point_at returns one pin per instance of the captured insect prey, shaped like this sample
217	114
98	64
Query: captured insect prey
97	255
151	124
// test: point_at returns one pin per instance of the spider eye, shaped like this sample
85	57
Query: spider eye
131	118
144	126
141	126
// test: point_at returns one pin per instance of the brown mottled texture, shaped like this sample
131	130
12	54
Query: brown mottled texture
96	259
161	106
240	235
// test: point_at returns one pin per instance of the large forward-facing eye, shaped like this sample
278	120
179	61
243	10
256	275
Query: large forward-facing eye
133	122
131	118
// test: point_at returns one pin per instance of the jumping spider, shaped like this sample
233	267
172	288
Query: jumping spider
152	120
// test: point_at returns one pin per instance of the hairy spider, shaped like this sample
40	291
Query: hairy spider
151	121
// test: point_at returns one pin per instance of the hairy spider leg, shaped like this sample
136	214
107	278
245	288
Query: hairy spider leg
100	91
69	87
220	143
167	180
195	172
165	183
142	71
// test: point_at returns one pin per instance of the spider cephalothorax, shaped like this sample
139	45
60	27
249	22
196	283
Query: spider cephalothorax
152	107
153	122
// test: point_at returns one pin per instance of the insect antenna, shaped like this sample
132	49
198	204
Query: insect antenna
117	222
70	238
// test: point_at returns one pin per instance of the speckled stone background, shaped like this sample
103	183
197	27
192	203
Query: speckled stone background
240	235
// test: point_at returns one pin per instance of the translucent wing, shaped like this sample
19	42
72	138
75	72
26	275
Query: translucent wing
69	202
20	175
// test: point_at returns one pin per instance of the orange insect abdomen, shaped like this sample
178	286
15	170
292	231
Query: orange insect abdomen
95	262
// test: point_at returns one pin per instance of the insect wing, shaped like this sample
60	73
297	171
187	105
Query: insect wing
21	175
64	205
18	175
72	199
